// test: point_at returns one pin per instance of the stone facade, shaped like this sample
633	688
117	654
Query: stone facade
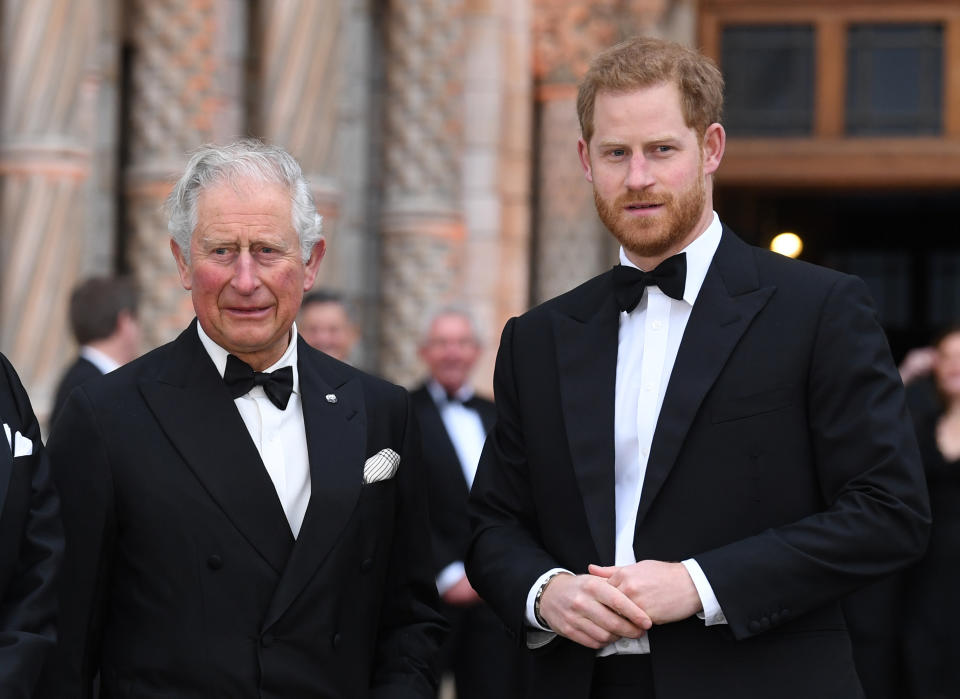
427	128
48	108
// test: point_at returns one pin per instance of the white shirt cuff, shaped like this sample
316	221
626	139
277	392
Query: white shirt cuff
532	598
711	614
539	636
450	576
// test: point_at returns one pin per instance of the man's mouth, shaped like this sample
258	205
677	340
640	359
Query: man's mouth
253	310
642	206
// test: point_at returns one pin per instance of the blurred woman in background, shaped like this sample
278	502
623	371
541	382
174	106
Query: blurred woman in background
931	633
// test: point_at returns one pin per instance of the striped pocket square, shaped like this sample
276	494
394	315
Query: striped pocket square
381	466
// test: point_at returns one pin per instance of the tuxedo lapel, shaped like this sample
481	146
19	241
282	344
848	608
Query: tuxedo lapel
586	346
336	436
195	410
727	303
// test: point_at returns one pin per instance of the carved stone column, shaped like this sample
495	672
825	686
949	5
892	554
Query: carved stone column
185	89
422	225
571	245
46	115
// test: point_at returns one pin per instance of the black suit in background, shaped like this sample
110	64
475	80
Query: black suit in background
483	658
783	461
31	546
185	579
81	370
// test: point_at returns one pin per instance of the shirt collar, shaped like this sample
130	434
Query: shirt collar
700	254
219	355
102	361
439	394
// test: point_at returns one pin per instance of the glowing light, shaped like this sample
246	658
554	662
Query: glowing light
789	244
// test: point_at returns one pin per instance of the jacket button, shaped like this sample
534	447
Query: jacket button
214	562
266	640
335	641
366	565
755	626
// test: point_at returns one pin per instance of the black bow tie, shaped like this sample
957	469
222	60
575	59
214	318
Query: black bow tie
240	378
629	282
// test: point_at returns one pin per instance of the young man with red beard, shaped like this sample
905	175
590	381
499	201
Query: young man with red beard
698	453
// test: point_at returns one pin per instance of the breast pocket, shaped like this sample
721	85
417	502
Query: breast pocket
756	403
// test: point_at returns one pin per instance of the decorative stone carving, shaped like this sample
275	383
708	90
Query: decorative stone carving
422	224
568	33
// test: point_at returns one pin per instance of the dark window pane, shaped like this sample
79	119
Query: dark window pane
887	274
769	75
944	291
894	79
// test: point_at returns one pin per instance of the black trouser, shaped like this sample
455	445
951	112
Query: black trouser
622	677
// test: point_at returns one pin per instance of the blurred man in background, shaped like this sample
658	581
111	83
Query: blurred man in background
453	424
325	324
103	317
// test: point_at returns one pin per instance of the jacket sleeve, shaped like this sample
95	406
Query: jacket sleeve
875	518
502	507
30	511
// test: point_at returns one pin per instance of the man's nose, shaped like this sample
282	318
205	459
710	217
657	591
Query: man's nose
245	277
639	174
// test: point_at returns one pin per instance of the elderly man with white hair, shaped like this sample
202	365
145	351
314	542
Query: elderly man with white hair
245	515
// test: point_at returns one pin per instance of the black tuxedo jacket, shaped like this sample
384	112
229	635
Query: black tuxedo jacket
31	546
782	461
184	577
81	370
446	485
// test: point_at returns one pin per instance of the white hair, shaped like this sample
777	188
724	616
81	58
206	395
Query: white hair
248	159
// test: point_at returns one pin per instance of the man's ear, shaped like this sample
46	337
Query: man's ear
583	150
312	265
183	267
714	143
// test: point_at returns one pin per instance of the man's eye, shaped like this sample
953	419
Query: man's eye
618	152
219	251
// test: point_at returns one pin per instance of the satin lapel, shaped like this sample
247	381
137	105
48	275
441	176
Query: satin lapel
586	345
336	438
194	409
728	301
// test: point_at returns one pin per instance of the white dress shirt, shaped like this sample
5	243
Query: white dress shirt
647	346
279	435
466	432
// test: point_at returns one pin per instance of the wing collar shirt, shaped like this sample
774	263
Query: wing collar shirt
647	346
279	435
